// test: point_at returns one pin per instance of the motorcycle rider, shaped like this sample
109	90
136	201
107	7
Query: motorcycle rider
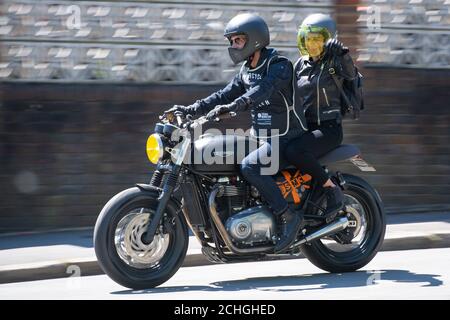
316	94
263	85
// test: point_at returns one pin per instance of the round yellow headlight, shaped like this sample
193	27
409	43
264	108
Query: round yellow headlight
155	148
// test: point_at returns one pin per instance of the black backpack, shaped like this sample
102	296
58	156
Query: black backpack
352	99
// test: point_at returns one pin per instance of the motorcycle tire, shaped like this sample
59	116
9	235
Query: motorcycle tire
109	250
336	262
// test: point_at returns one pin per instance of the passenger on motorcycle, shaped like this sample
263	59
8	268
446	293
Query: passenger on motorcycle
317	96
263	85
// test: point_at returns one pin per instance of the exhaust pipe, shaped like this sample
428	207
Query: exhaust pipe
337	226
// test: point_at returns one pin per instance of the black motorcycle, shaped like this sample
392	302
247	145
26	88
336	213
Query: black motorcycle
141	235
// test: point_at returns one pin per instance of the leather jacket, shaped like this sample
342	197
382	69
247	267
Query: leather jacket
266	90
315	92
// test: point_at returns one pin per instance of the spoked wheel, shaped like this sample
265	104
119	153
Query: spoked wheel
121	251
355	246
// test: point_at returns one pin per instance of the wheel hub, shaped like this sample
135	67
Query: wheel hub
130	247
354	227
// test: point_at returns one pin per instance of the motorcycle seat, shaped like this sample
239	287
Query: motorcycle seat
341	153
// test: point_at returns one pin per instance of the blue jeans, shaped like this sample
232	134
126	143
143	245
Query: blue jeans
252	168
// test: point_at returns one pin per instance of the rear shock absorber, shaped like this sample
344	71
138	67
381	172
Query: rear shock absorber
341	180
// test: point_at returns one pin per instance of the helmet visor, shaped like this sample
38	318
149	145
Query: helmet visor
311	40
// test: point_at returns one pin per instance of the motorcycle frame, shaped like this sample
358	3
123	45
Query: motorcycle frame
209	226
175	173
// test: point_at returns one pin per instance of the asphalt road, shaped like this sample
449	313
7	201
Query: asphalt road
410	274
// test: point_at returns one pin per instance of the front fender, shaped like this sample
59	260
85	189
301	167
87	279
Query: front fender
148	187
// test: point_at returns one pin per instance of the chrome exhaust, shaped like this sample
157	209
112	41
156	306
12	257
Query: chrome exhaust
337	226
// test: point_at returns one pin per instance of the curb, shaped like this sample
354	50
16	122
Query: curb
88	267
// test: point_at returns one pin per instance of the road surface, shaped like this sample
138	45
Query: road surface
410	274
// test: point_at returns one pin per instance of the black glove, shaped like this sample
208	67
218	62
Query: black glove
185	110
175	108
335	48
220	109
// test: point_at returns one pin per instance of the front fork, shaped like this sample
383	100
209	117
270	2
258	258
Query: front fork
169	185
163	199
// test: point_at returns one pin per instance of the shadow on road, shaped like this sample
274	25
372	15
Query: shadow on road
304	282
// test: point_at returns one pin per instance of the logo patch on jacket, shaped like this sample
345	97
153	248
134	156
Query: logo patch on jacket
250	77
264	119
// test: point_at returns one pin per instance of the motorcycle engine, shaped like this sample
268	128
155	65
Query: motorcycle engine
253	226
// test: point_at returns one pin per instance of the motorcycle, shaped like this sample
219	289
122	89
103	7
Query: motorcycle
141	235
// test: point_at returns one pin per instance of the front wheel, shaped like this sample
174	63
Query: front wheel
355	246
118	244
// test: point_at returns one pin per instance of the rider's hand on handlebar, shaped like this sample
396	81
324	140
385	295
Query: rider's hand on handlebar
219	110
183	110
176	108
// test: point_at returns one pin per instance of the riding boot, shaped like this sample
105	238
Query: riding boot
290	224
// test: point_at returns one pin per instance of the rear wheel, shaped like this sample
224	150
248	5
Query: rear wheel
118	240
355	246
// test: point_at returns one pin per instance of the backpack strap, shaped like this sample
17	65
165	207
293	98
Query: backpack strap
332	72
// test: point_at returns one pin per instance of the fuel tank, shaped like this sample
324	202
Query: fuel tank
221	154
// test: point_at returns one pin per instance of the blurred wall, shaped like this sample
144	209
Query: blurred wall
73	123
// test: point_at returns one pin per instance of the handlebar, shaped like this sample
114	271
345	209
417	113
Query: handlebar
198	122
192	124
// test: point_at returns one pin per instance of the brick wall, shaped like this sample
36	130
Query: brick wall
65	149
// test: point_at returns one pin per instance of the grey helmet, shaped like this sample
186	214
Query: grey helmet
256	31
316	23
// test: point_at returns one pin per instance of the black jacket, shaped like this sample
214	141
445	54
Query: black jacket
315	92
266	90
